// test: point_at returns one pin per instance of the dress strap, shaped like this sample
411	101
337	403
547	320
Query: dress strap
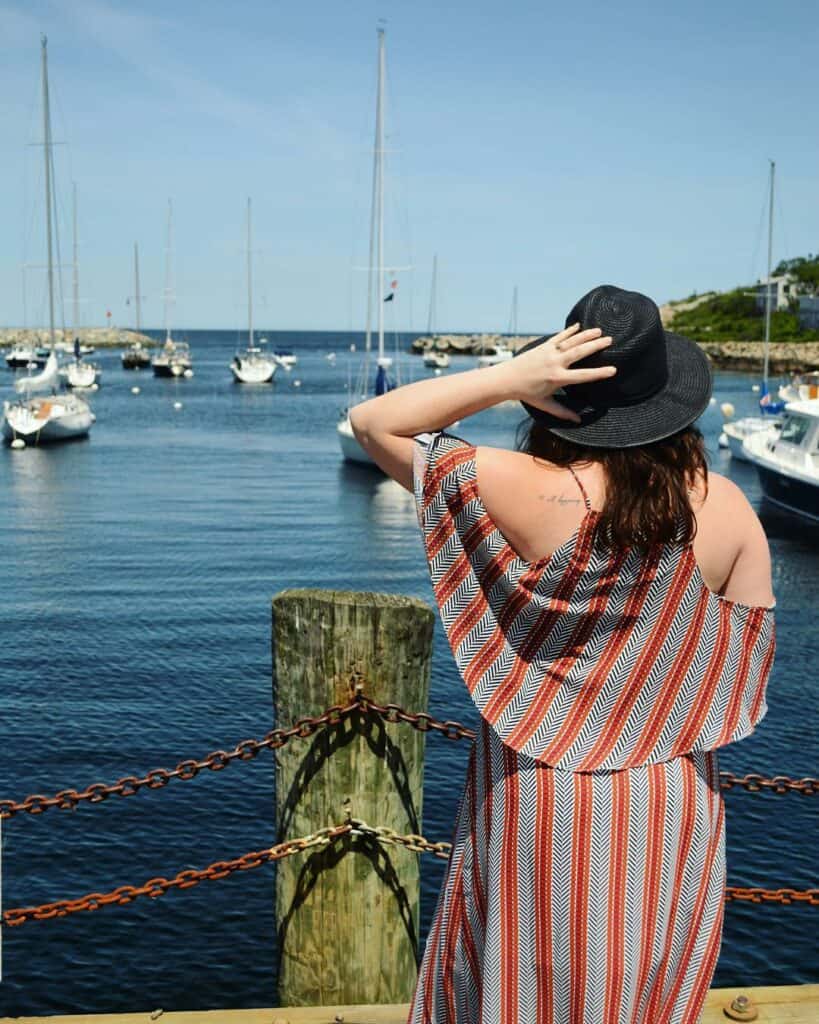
582	489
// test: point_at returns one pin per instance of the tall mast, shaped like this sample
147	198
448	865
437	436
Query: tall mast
513	315
433	296
249	280
137	294
379	155
168	246
769	285
47	153
76	265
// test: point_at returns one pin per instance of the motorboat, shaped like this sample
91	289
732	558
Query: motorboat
20	356
736	431
253	365
787	459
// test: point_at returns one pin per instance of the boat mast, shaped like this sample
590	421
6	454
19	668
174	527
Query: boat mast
168	245
513	316
249	280
138	297
769	285
433	296
76	267
47	152
379	157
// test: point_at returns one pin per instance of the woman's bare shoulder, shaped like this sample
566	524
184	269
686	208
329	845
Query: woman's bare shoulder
729	530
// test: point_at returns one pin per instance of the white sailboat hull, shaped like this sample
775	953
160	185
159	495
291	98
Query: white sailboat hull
47	420
350	448
81	375
253	371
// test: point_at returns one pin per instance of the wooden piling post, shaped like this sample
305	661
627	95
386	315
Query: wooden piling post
347	913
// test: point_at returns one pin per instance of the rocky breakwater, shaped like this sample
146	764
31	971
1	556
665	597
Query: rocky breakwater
469	344
98	337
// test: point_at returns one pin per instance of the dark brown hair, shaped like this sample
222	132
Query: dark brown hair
646	487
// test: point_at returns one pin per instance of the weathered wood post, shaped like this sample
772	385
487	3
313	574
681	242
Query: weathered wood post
347	913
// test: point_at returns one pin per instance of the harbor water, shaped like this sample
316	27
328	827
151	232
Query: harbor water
138	568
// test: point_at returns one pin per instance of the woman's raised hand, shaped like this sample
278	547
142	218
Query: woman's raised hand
535	376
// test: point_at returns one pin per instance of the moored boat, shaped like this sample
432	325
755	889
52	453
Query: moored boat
253	365
787	459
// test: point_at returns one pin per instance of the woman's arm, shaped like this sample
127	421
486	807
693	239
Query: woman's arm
385	426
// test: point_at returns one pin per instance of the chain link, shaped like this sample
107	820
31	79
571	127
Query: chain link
156	887
304	728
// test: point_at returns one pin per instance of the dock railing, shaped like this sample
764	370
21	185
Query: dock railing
350	672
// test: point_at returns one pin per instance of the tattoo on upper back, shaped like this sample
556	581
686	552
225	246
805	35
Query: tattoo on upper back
560	499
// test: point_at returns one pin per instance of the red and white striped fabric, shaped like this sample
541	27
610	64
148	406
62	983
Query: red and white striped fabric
586	879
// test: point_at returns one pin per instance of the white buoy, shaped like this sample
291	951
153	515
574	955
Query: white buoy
727	410
754	387
331	356
177	405
95	386
437	371
18	443
134	390
352	347
712	400
187	374
297	383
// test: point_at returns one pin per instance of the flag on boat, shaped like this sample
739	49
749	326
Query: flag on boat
390	297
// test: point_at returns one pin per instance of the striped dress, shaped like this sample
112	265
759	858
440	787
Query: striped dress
585	883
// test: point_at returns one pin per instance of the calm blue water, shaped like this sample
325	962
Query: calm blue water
138	571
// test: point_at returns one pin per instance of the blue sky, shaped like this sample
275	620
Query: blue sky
549	146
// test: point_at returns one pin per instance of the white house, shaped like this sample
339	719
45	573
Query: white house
782	288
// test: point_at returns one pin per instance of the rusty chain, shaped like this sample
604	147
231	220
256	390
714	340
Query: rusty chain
156	887
247	750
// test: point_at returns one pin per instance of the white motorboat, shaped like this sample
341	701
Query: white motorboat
437	360
350	448
253	365
787	460
20	356
79	374
736	431
42	414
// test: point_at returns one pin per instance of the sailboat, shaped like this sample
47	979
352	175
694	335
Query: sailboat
350	448
136	356
79	373
432	357
43	413
500	350
251	366
174	358
736	432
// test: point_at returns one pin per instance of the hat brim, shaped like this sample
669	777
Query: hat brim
679	403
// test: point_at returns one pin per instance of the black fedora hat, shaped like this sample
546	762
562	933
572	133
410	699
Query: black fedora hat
663	381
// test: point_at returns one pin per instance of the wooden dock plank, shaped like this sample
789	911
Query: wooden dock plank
777	1004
